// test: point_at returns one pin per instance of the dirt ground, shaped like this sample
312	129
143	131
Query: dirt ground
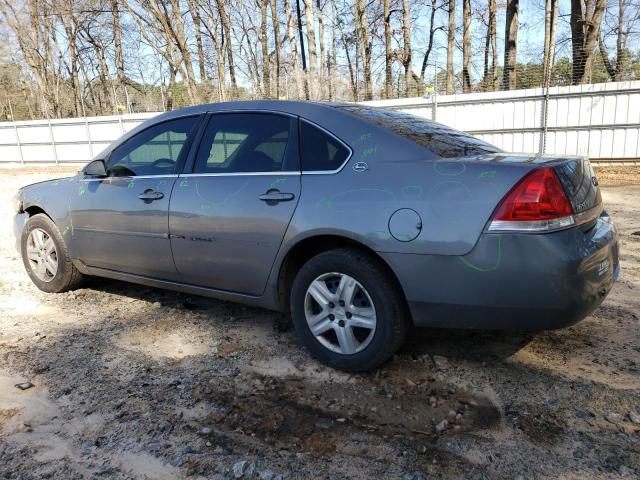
134	382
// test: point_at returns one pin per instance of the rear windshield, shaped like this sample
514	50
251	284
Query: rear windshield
442	141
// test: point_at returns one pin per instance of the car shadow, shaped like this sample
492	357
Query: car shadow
185	301
472	345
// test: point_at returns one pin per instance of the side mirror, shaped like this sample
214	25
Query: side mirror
97	168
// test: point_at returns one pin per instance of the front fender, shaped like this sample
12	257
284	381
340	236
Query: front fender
52	198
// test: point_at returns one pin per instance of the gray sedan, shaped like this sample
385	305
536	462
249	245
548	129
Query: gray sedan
358	221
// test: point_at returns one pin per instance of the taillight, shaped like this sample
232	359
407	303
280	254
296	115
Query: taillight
538	203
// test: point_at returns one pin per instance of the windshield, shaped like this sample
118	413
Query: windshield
442	141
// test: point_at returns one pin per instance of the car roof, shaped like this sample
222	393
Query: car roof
307	109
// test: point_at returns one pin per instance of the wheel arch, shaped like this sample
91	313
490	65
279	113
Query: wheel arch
309	247
32	210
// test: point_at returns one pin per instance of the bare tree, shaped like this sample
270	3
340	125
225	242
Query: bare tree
451	38
307	93
432	31
388	50
266	75
293	48
510	45
466	46
621	29
362	29
550	27
226	30
278	43
490	74
585	31
311	45
406	41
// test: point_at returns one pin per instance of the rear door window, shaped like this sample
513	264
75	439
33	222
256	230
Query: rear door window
247	143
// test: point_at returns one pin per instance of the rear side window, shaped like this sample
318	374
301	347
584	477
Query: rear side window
320	151
246	142
440	140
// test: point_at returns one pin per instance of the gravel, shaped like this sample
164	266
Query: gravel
134	382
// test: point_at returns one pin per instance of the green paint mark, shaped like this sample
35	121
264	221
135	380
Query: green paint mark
362	138
487	174
483	269
277	181
131	184
448	168
368	152
184	183
81	189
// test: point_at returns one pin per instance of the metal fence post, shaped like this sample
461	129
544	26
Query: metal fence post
434	104
86	125
15	130
53	141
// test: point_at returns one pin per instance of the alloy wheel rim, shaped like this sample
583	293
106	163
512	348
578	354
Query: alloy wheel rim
42	255
340	313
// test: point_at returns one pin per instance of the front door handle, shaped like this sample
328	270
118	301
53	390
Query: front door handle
150	195
275	196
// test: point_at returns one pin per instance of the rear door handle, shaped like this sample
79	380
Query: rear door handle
150	195
274	196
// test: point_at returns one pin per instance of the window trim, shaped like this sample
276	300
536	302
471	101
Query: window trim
190	164
322	172
179	164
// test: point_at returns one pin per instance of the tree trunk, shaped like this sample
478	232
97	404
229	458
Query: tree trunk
277	43
305	71
406	39
585	30
466	46
510	45
550	27
226	30
293	46
489	74
266	76
333	55
427	53
388	51
362	25
117	41
311	45
323	53
197	23
615	71
451	37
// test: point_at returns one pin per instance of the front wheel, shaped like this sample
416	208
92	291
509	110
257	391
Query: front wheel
347	311
46	258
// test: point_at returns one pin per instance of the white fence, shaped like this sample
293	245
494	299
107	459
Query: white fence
68	140
600	120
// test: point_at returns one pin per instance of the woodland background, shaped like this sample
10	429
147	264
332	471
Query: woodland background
66	58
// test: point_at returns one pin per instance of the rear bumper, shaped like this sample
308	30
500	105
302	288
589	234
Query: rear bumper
19	221
513	281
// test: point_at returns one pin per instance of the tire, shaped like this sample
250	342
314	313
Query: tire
374	294
66	276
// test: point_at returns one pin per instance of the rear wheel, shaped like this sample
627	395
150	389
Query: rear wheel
46	258
347	311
